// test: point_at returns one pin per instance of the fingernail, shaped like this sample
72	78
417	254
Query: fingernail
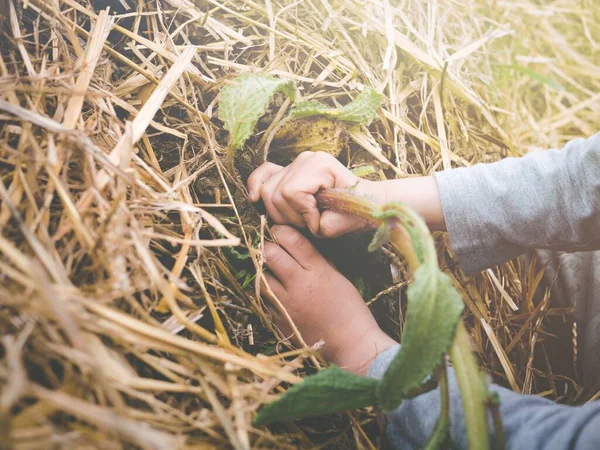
251	196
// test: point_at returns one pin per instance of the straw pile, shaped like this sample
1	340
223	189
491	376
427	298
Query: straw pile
128	310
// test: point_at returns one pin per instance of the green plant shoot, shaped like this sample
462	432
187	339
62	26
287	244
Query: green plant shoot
434	310
361	111
315	393
243	102
433	329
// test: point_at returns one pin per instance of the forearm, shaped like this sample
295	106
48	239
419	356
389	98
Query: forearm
419	193
530	422
496	212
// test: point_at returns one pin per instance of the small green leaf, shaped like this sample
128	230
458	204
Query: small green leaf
331	390
361	111
380	238
363	171
311	108
417	235
243	102
434	309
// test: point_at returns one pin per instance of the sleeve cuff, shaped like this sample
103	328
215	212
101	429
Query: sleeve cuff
382	361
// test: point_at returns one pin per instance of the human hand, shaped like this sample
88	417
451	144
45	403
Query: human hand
323	304
288	193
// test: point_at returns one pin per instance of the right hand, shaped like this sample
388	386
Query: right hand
288	193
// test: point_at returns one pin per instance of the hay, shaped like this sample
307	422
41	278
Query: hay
128	320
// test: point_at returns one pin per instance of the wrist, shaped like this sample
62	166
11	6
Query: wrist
374	189
358	357
419	193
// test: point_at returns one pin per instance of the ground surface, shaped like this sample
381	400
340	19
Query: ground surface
127	316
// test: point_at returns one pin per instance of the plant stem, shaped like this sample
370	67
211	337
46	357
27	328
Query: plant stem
230	160
345	202
472	388
410	237
428	386
440	434
493	405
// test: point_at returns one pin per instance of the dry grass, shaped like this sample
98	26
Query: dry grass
127	319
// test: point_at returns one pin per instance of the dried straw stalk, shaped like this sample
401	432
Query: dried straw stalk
126	319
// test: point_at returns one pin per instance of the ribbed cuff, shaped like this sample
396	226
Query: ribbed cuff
382	361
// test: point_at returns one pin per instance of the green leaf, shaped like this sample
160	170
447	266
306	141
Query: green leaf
311	108
243	102
363	171
331	390
380	238
434	309
361	111
417	234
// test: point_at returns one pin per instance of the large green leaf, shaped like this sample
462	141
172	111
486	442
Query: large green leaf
243	102
330	390
434	309
361	111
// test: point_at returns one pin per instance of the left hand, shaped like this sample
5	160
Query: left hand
323	304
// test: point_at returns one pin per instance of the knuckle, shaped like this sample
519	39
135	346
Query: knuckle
256	173
288	192
271	253
263	170
252	179
280	220
327	232
278	199
323	156
304	155
268	166
271	168
290	236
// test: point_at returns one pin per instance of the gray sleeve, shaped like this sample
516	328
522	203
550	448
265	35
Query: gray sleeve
545	200
530	422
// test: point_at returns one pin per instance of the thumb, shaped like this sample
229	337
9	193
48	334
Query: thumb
333	224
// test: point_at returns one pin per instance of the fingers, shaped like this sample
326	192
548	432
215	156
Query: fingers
267	190
288	192
263	183
309	173
259	177
279	210
280	263
304	205
298	247
271	284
